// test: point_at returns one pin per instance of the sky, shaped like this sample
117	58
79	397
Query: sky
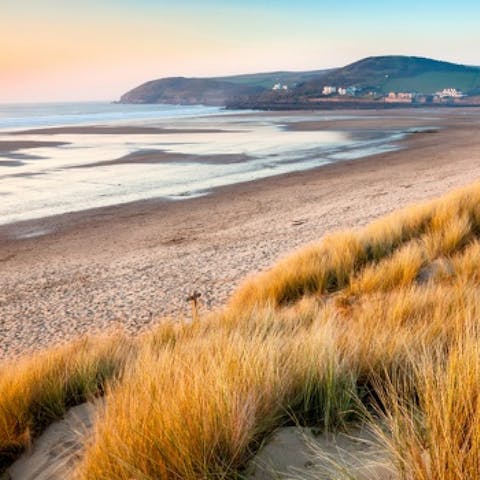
71	50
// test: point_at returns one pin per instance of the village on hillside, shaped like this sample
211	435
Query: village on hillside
337	92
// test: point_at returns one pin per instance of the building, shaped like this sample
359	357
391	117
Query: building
400	97
328	90
342	91
450	93
279	86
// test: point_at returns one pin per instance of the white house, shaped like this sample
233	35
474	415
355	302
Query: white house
328	90
450	93
400	97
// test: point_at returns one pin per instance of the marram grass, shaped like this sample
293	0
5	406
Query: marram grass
36	390
384	319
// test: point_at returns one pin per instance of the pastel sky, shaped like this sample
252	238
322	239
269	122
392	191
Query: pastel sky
56	50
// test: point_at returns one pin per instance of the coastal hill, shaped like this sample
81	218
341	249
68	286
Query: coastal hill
398	73
213	91
365	82
188	91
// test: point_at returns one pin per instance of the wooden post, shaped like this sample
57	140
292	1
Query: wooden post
193	298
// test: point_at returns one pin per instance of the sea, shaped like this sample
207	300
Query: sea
196	150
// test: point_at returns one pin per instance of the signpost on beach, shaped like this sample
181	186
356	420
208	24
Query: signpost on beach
193	298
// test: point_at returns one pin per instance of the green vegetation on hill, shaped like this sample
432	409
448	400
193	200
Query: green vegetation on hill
212	91
268	80
431	82
188	91
398	73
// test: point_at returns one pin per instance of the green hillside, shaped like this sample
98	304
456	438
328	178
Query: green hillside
214	91
398	73
268	79
433	81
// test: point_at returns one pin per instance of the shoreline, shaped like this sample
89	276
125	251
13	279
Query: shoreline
110	130
64	221
127	266
333	105
367	138
190	172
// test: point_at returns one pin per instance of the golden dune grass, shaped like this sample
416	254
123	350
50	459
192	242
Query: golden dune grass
34	391
200	408
443	225
385	317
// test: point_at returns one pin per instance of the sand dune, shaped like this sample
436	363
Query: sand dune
55	451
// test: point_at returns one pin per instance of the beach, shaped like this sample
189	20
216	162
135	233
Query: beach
179	157
128	266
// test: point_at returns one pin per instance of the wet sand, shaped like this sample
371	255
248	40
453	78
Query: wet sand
9	150
113	130
368	122
162	156
129	265
12	146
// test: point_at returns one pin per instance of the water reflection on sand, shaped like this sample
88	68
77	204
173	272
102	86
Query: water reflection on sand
191	158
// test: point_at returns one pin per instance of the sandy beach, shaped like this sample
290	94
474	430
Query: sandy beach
128	266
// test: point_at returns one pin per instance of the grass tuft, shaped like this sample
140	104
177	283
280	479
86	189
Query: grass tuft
382	320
